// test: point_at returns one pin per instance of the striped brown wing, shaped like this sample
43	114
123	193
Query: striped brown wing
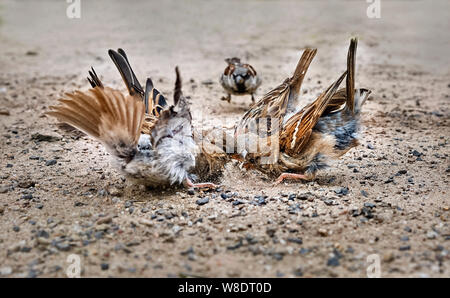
105	114
275	103
298	128
272	105
337	102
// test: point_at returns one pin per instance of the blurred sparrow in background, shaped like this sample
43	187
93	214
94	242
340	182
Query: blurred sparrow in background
150	141
239	79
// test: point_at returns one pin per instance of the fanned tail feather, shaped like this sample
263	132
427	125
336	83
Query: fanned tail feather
178	98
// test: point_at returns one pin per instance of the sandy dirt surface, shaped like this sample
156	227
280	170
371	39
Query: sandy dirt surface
389	197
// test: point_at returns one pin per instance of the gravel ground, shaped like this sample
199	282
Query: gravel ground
389	197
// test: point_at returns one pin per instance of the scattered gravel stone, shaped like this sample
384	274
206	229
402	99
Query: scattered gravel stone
416	153
389	180
4	189
404	247
26	184
235	246
25	249
104	220
27	197
62	246
295	240
260	200
51	162
367	212
369	205
402	172
432	235
42	234
202	201
16	229
298	272
207	82
32	273
99	235
342	191
306	196
237	202
271	232
44	137
31	53
115	191
329	202
333	261
322	232
278	256
190	250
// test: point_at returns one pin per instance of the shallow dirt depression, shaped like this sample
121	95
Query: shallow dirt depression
386	199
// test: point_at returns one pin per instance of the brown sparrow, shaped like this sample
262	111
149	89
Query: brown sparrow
150	141
309	137
239	79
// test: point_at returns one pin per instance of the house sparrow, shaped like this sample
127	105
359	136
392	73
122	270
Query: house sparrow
239	79
324	129
150	141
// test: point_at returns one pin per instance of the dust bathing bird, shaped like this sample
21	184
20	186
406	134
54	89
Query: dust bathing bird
239	79
151	142
306	138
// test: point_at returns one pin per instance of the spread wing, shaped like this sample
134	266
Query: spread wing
298	128
106	115
344	98
275	103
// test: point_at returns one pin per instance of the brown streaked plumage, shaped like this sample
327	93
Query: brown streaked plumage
281	99
239	79
150	141
105	114
324	129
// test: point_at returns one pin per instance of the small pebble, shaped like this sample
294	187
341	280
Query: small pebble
202	201
51	162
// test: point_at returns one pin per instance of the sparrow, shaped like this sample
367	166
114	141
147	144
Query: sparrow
307	138
150	142
239	79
